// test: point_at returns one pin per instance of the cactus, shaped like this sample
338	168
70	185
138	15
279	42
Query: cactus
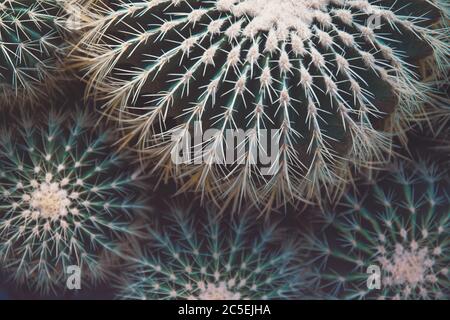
399	223
65	199
332	78
437	111
440	119
438	130
435	131
204	257
29	41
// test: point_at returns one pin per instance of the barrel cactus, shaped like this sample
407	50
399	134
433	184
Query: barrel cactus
66	199
398	223
29	40
315	85
202	257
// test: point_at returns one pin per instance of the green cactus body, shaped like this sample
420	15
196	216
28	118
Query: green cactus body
193	256
29	40
398	223
65	200
332	78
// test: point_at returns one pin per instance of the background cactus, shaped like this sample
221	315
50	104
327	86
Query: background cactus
191	255
323	74
437	110
438	127
436	115
29	41
398	222
66	198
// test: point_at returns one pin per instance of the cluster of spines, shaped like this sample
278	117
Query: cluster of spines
206	257
29	41
400	224
65	200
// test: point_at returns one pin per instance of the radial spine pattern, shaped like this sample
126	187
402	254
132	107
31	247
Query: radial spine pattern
400	224
327	76
29	40
211	258
65	200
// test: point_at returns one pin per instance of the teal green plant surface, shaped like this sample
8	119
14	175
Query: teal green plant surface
400	223
192	256
29	42
66	199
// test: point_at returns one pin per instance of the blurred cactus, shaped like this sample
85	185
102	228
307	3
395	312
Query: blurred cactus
439	122
29	40
436	127
440	119
437	111
399	222
332	78
203	257
65	199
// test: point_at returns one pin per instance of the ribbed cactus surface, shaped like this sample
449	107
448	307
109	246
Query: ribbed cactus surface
66	199
390	238
198	256
29	40
325	78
